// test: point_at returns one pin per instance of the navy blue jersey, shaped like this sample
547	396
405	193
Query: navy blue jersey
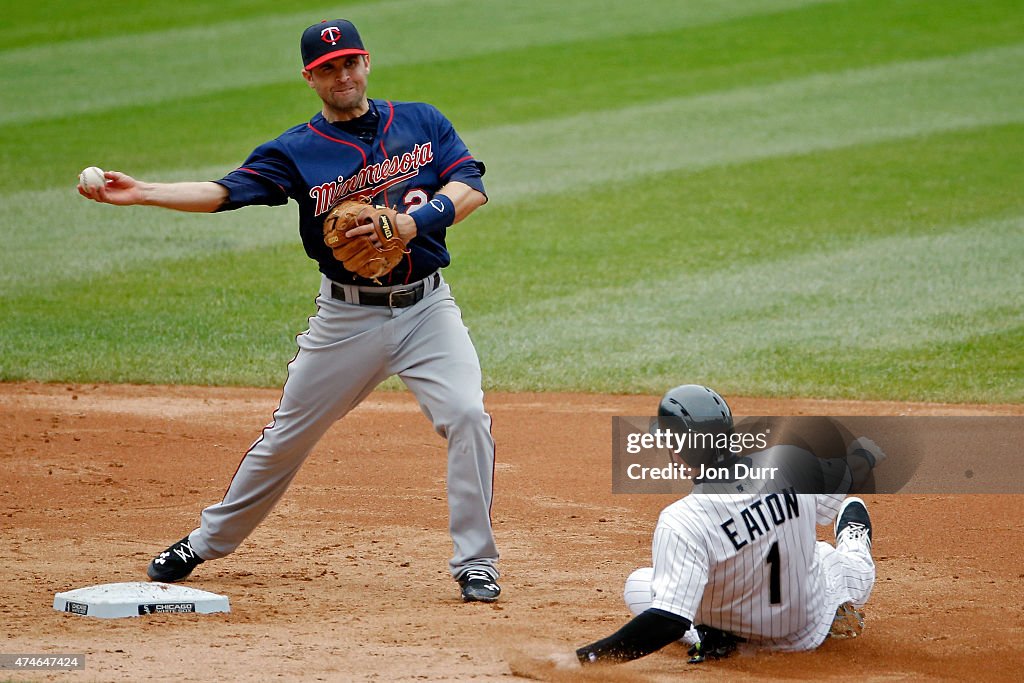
415	153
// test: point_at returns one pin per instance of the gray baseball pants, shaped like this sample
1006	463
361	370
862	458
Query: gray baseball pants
348	350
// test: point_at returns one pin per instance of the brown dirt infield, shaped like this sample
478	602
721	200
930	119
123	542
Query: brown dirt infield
346	580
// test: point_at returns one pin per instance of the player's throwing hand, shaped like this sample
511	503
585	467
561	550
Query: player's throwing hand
119	189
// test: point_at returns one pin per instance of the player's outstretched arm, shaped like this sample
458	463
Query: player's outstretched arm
648	632
123	190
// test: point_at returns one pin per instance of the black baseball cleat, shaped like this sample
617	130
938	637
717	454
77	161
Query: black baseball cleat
175	563
853	522
479	586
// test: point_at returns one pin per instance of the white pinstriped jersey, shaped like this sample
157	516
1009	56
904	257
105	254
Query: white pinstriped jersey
750	564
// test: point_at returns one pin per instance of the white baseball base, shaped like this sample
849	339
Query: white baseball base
116	600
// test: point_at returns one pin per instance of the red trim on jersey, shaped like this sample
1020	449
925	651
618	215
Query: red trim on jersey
407	176
408	262
445	171
391	116
384	151
340	142
249	170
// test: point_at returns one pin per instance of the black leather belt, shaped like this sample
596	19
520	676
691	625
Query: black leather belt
394	298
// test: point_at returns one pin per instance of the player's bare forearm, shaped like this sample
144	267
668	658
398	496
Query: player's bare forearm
204	197
123	190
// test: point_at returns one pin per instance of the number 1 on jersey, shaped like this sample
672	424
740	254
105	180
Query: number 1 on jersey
775	575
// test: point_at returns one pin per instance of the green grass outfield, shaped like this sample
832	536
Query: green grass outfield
774	197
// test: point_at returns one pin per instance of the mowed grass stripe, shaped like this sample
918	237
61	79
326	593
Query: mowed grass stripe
57	235
513	86
749	51
752	327
31	23
747	232
818	112
742	214
788	326
227	317
156	66
978	368
550	157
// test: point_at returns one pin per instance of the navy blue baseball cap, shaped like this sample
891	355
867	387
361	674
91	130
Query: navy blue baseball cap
328	40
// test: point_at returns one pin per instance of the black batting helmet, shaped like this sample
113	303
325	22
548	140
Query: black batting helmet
697	410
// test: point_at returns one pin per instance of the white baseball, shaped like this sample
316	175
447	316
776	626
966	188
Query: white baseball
92	178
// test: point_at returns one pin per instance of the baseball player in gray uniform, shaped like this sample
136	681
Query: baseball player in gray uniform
396	154
734	567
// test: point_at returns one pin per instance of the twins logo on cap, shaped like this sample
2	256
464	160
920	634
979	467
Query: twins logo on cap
329	40
331	34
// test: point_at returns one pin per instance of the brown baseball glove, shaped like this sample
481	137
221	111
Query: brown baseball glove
359	254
